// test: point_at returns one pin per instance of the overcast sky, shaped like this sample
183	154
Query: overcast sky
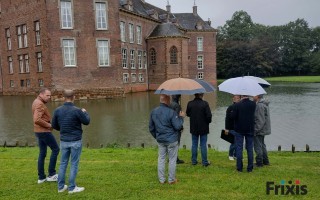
266	12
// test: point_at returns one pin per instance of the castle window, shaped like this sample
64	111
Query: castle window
140	59
153	56
200	44
101	15
11	83
200	75
139	35
103	52
69	52
125	77
124	58
8	36
131	33
141	78
66	16
123	31
26	63
173	55
40	82
22	36
37	32
39	62
21	67
133	77
200	62
10	65
132	59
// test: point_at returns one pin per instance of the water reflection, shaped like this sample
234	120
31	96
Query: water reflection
294	118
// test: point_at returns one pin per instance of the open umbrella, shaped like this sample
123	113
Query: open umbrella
206	85
261	81
241	86
180	86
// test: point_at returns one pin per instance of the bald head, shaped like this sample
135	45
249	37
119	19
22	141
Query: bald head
68	95
165	99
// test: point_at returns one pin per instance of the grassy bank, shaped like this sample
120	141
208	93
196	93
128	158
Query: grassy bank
111	173
300	79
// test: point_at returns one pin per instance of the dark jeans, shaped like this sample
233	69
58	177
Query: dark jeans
261	150
203	147
44	140
249	146
232	148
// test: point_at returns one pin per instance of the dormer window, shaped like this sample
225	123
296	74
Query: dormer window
130	5
199	26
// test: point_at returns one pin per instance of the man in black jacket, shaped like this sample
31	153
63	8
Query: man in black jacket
243	116
200	117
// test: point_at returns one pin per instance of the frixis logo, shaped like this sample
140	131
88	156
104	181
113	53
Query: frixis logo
291	188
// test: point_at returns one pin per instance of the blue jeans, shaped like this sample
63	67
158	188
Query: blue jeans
249	146
69	149
46	139
203	147
172	151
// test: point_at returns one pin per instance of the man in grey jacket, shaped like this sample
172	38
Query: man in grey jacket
262	127
164	126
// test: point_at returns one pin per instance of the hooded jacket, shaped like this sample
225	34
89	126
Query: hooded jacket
262	125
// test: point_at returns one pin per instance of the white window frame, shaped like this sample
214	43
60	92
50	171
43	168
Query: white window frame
26	63
40	82
37	32
132	59
141	78
69	52
200	61
139	55
39	62
25	36
21	64
123	31
139	34
10	63
124	53
131	33
125	77
66	14
200	75
8	36
19	34
101	15
199	43
103	52
133	77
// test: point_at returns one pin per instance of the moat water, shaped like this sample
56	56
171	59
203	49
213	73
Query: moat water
294	109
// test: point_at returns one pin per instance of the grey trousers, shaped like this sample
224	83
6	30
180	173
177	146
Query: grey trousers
261	150
172	151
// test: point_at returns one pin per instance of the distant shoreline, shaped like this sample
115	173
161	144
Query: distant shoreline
297	79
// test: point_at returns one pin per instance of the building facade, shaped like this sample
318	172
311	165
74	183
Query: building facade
100	48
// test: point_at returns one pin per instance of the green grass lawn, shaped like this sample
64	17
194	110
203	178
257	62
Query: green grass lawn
121	173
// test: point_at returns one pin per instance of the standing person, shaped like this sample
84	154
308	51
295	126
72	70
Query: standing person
229	126
164	126
243	116
68	119
42	129
262	127
175	105
200	117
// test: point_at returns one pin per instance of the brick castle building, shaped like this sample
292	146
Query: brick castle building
100	47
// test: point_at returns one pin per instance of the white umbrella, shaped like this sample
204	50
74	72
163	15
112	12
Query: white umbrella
241	86
261	81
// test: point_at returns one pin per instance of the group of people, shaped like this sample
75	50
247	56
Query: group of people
246	119
67	119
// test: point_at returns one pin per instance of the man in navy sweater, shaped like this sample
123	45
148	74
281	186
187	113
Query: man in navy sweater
243	116
68	120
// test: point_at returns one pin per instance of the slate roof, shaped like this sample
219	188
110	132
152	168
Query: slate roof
166	30
189	21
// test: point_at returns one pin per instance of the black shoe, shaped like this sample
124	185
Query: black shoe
267	164
207	164
180	161
258	165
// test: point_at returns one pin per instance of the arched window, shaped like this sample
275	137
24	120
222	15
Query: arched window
153	56
173	55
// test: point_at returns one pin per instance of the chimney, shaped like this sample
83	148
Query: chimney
168	7
195	10
209	21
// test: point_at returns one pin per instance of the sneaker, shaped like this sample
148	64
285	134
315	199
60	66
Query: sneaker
231	158
52	178
76	189
41	181
65	187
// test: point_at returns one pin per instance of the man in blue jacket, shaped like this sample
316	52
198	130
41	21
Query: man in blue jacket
164	126
68	120
243	116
